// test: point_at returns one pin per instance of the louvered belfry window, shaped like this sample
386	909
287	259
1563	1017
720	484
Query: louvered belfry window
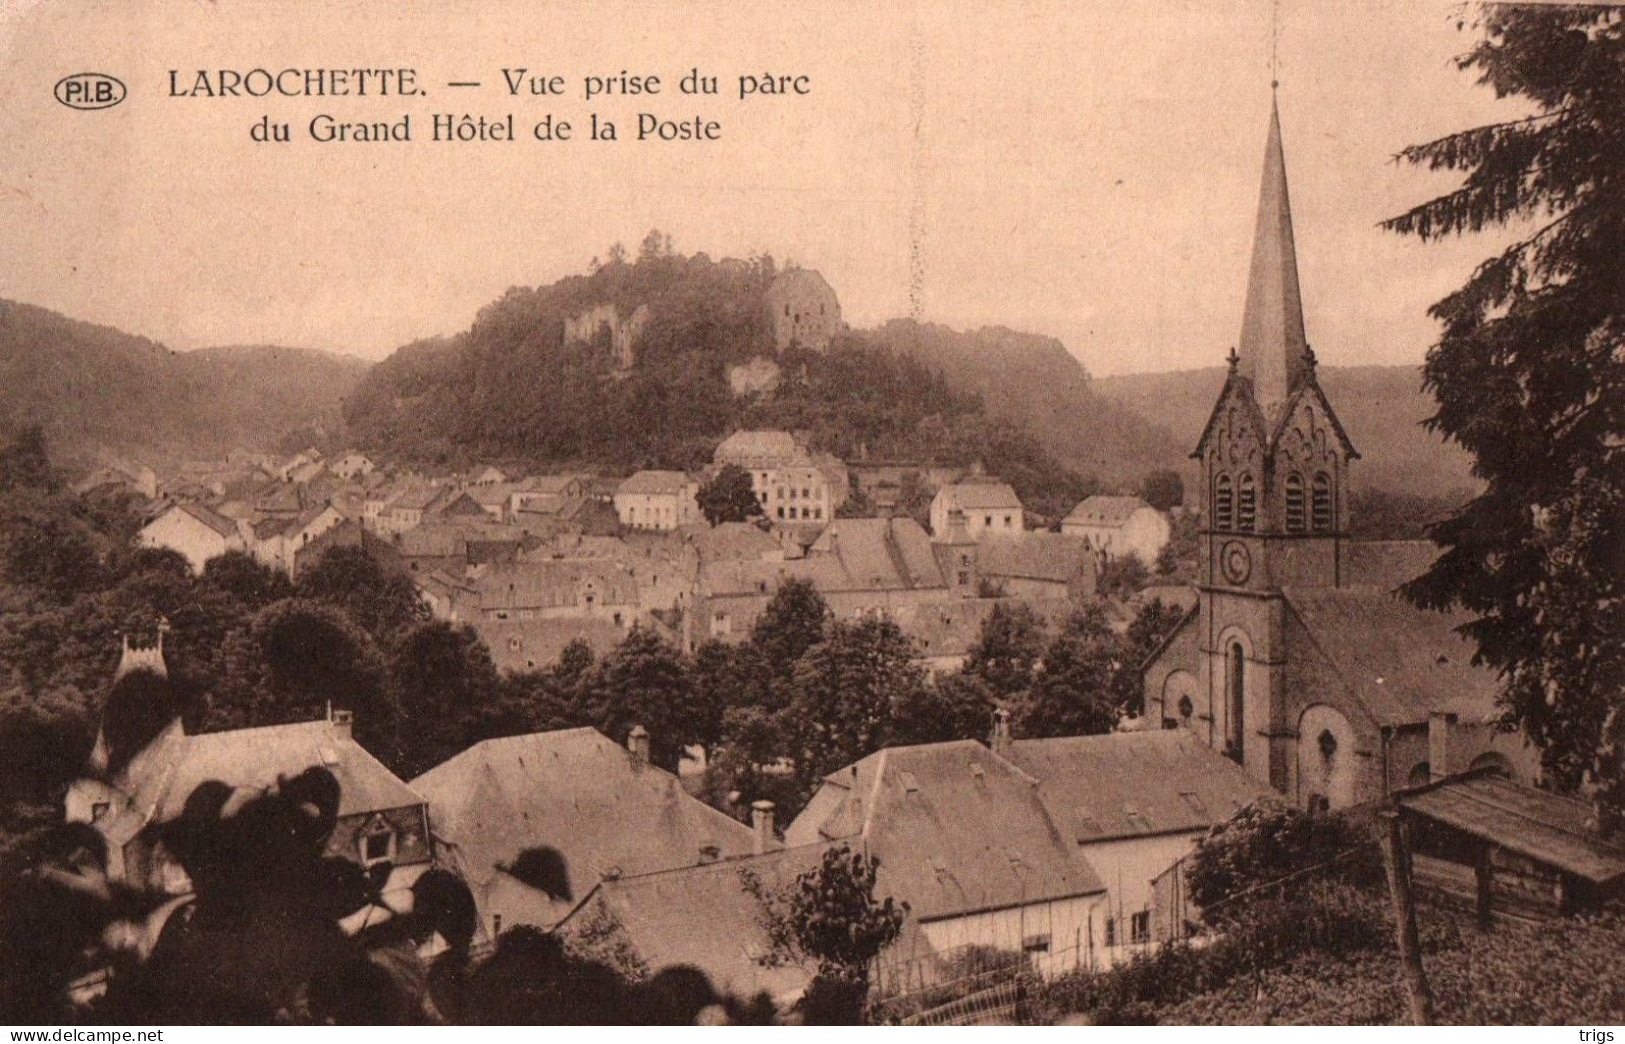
1322	502
1224	504
1247	505
1294	504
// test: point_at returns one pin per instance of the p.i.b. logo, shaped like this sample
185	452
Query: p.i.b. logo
89	90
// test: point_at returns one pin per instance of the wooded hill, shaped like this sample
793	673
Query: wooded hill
96	388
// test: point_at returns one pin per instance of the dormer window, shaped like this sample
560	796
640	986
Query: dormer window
377	843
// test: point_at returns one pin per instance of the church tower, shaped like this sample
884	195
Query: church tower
1274	468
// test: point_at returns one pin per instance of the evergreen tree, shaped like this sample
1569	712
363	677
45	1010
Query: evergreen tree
1072	694
1529	374
1008	649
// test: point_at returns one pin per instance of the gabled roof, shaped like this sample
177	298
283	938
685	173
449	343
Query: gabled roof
579	792
706	917
655	483
528	645
1309	388
414	498
958	830
982	493
1399	661
881	553
1549	828
161	778
1052	557
1240	389
549	583
1105	511
1134	784
209	517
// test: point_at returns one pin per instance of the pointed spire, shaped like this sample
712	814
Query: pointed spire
1273	345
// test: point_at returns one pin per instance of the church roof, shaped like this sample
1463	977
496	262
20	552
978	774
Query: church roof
1400	662
1273	348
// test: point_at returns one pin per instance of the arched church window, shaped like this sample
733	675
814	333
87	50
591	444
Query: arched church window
1224	504
1236	688
1294	503
1322	502
1247	505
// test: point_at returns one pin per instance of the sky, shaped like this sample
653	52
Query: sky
1084	171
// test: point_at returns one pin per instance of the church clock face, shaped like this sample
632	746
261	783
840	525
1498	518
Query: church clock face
1235	562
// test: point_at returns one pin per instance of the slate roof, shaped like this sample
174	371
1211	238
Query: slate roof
525	645
762	449
163	776
654	483
579	792
1552	829
1053	557
704	917
1134	784
414	498
958	830
211	518
552	584
1401	662
985	493
880	553
1105	511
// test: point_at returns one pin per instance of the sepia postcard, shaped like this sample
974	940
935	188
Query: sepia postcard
811	513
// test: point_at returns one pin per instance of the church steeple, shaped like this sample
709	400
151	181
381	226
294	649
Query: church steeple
1274	348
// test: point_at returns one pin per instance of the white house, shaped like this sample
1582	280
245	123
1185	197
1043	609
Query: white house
789	482
661	500
986	506
196	531
352	464
1120	526
1134	804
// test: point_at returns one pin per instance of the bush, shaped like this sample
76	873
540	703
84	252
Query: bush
1267	841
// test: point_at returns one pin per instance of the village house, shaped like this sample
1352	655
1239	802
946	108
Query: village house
1036	565
1135	804
195	531
963	838
138	479
661	500
1318	681
790	483
351	464
987	507
279	539
1119	526
546	496
605	808
803	309
381	820
886	482
545	589
408	508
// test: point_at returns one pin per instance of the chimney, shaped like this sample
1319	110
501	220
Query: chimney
761	823
1001	731
1439	744
637	741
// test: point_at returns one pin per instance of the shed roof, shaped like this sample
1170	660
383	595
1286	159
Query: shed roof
1549	828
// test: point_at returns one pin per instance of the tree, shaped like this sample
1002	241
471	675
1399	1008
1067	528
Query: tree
948	707
246	579
1123	575
794	620
645	682
443	677
1072	694
1151	624
844	692
379	598
25	463
1163	489
1008	649
729	496
831	917
1529	375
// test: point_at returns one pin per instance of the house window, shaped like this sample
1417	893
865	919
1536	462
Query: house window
987	520
1035	944
1009	521
1322	502
1224	504
98	810
1294	504
1247	505
1140	927
1111	931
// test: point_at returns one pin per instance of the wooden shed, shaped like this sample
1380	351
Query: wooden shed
1513	852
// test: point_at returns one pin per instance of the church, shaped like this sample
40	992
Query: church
1299	661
